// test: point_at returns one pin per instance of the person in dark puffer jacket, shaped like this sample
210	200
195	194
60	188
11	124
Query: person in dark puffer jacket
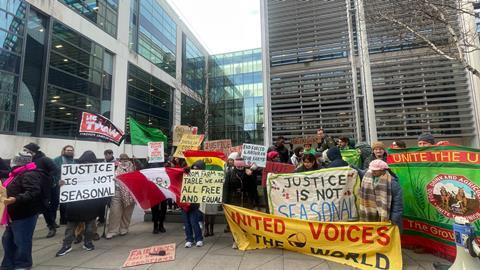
23	203
47	165
82	211
335	157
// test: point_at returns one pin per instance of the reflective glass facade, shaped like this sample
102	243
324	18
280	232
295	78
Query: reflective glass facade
79	79
193	113
153	34
236	97
193	73
103	13
149	100
12	33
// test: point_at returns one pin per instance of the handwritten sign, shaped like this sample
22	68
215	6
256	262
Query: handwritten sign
254	154
155	254
218	146
235	149
188	142
87	181
179	131
304	140
155	152
323	195
3	196
203	186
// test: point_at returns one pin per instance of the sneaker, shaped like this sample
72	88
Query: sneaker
64	250
199	244
110	235
188	244
88	246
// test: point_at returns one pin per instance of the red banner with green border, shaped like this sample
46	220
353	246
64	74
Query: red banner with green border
438	183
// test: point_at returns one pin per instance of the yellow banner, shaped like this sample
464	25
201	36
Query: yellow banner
365	245
188	142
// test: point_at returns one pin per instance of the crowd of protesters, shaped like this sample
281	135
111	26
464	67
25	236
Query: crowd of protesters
32	182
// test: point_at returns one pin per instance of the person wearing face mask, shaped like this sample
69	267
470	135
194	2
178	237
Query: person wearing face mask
309	163
122	203
66	157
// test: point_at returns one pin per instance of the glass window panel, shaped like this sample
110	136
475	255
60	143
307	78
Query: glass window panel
9	62
11	42
6	121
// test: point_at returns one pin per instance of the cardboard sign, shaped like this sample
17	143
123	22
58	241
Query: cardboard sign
235	149
304	140
276	167
155	254
179	131
368	246
155	152
254	154
87	181
95	125
203	186
188	142
218	146
323	195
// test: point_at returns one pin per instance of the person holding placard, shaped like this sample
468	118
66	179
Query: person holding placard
192	216
23	203
66	157
122	204
84	211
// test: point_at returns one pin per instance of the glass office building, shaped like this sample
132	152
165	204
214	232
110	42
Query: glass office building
59	58
236	97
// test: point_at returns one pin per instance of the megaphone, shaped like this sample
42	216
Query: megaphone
468	249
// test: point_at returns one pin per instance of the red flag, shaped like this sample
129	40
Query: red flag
152	186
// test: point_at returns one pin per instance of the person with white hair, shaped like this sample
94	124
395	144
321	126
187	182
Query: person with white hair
23	204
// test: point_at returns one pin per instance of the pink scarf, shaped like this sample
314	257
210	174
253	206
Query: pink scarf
30	166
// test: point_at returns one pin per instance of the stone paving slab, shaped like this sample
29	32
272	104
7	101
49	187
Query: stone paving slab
217	253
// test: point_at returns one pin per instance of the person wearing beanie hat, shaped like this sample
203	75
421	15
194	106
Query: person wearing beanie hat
425	139
378	152
23	203
273	156
47	165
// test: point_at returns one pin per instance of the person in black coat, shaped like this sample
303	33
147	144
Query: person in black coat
23	203
47	165
281	149
335	157
79	212
309	163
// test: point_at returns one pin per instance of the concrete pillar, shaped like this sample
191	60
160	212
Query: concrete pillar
267	115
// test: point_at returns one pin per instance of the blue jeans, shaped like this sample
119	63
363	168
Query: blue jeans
190	220
17	243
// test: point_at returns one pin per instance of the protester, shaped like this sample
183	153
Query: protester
324	142
122	203
396	210
45	164
24	201
307	149
273	156
82	211
376	193
297	156
66	157
281	149
343	143
397	144
378	153
159	211
192	216
309	163
4	169
335	157
425	140
108	154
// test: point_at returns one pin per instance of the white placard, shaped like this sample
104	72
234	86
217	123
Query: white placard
155	152
87	181
254	154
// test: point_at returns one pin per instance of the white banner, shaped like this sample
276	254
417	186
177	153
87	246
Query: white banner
254	154
324	195
155	152
87	181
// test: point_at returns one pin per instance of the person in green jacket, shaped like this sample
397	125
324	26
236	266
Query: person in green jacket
66	157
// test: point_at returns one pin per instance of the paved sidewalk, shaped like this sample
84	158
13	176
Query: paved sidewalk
216	254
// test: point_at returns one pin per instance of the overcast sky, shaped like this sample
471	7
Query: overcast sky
222	25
